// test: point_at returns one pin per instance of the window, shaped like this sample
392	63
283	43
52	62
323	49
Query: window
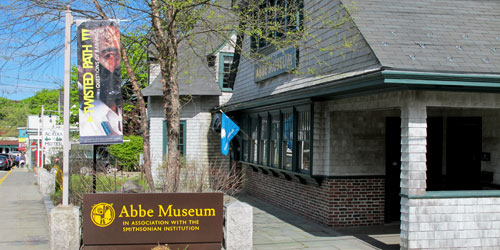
225	61
263	139
275	139
303	140
254	130
277	19
287	142
280	139
182	138
245	140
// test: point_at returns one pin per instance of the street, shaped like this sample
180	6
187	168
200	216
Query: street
24	223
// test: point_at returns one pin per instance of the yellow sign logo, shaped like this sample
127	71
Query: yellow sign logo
102	214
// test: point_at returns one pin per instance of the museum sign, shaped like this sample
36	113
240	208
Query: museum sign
142	221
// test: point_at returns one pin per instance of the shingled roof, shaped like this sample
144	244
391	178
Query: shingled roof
461	36
195	76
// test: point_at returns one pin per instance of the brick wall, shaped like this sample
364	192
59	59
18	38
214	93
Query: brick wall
337	202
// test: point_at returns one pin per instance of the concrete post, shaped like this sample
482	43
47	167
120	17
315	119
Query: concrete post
46	182
64	223
413	161
238	230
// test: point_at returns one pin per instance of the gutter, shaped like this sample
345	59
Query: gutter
382	80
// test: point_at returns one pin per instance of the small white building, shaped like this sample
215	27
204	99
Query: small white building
203	85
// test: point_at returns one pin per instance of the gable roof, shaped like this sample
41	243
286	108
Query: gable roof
195	77
428	35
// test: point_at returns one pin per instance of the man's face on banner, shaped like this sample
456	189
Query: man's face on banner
109	44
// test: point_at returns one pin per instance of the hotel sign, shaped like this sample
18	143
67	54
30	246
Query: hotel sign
142	221
275	64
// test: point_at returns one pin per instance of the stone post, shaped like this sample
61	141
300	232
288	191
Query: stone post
64	223
238	230
46	182
413	162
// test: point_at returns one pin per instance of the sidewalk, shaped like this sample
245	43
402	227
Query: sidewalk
277	229
24	222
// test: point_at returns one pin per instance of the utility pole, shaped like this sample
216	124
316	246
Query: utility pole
38	142
67	68
43	140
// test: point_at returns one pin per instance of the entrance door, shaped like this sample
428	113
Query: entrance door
392	168
463	153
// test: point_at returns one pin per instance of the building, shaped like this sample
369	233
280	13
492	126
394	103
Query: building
7	146
403	126
42	130
203	85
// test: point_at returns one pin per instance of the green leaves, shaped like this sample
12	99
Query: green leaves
127	154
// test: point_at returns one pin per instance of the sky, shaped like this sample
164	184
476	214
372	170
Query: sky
26	34
21	40
34	34
18	83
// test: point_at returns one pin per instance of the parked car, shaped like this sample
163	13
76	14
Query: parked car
4	162
10	160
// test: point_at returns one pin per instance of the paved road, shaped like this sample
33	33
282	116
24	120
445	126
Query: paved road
23	218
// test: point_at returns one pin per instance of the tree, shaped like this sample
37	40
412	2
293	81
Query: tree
173	25
137	52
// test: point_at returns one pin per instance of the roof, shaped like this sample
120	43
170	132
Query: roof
195	76
200	81
429	35
9	143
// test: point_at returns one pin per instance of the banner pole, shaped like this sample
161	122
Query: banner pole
67	69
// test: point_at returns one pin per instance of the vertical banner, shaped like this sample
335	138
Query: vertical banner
99	82
22	137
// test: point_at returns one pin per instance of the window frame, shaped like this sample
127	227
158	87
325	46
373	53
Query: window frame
221	70
254	151
182	131
259	44
263	116
280	112
311	122
272	114
245	139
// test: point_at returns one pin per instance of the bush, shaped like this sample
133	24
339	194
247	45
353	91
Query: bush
127	154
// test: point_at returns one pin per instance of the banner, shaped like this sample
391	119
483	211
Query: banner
99	82
23	135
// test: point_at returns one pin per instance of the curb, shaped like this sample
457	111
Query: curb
48	204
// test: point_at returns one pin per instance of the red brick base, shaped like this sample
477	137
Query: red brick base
352	201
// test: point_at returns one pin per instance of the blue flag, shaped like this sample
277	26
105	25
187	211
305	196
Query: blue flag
228	130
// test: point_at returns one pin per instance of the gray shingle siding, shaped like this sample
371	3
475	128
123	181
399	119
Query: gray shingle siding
326	66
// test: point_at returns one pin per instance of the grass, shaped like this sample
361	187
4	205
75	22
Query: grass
105	183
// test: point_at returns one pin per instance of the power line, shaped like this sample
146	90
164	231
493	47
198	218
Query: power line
31	80
24	86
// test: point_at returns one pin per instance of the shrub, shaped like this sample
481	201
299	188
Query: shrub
127	154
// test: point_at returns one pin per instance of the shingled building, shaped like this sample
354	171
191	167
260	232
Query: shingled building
403	127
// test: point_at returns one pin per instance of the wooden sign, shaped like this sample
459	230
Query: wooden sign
275	64
142	221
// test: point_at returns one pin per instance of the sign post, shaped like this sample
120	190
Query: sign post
67	69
